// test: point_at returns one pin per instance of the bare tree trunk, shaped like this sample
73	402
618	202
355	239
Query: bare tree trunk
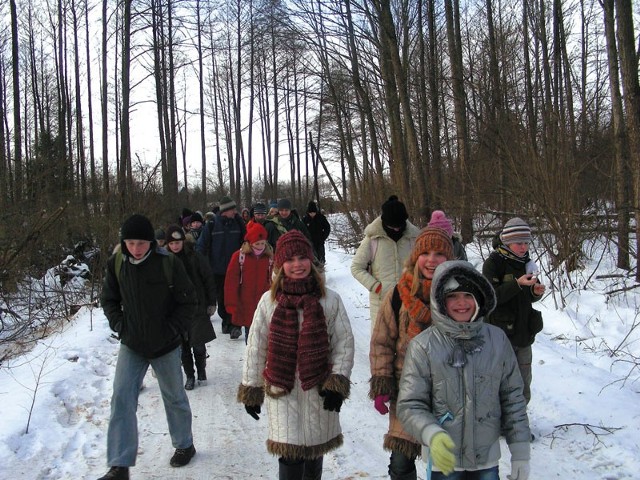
104	104
125	134
79	123
452	12
17	122
92	157
631	97
623	174
203	142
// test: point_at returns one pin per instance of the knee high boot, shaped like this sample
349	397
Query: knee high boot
313	469
290	469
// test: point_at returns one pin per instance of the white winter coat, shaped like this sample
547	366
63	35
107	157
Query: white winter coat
299	419
387	263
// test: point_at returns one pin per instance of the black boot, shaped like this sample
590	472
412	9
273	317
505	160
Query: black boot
313	469
290	469
116	473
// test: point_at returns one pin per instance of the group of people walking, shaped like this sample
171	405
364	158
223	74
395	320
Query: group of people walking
450	348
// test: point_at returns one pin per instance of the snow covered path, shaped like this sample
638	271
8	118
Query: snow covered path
572	386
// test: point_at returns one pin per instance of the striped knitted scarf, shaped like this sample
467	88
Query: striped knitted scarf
290	346
417	306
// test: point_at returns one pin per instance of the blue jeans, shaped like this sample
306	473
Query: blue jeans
486	474
122	435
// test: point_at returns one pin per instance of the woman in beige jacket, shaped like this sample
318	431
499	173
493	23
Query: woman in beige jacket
404	313
379	260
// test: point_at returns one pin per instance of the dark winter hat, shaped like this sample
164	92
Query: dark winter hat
273	204
226	204
515	230
255	232
197	217
431	239
394	213
186	212
291	244
186	221
175	233
284	204
137	227
440	220
160	235
260	208
312	207
464	284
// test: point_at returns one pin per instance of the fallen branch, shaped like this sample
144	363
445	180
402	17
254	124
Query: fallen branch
595	430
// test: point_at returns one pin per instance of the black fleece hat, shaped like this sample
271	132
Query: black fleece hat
312	207
137	227
464	284
394	213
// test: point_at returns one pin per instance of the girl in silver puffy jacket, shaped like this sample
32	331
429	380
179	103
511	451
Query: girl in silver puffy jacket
461	387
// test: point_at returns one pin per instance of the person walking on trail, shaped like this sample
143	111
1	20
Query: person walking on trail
298	361
404	313
514	277
440	220
201	331
248	277
219	240
319	229
380	258
149	302
460	388
285	221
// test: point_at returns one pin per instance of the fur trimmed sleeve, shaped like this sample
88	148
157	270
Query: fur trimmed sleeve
339	384
252	396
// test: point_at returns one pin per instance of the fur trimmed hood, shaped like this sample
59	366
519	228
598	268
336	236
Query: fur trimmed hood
460	268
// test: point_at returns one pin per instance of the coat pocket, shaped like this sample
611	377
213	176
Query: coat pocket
535	322
504	320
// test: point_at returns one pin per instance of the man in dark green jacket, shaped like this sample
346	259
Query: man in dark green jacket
149	302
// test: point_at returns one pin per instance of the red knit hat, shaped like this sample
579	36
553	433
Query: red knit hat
432	239
255	232
291	244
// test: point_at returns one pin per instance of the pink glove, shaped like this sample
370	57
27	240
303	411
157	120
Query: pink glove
380	404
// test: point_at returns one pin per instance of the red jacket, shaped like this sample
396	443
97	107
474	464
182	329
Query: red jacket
241	299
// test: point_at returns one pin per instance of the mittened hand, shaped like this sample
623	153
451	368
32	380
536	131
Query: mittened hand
253	410
519	470
332	400
443	458
380	404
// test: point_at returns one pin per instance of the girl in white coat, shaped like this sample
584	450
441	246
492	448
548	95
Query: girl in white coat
300	354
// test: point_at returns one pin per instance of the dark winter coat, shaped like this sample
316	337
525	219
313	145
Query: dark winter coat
243	288
199	272
220	239
514	313
150	316
318	227
478	399
277	225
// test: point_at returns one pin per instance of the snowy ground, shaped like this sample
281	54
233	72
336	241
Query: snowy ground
585	412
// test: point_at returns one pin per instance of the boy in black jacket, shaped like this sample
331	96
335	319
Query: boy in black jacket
149	302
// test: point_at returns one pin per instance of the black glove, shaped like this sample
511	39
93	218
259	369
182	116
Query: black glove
332	400
253	410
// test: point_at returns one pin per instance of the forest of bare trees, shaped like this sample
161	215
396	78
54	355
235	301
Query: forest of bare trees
484	108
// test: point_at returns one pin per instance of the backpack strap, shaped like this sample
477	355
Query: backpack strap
373	248
167	266
241	262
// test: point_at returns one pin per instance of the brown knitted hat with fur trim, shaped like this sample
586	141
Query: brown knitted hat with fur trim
291	244
432	239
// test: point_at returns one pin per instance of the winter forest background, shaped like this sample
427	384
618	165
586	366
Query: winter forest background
484	108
